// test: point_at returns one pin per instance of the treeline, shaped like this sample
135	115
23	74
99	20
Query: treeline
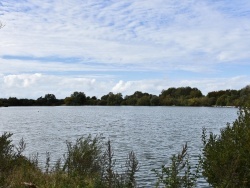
181	96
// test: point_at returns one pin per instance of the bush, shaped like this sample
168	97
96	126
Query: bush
125	179
86	164
179	173
83	157
11	160
226	157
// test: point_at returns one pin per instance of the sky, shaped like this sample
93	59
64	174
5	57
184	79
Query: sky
122	46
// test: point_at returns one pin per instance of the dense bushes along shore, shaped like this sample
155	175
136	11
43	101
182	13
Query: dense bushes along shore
224	162
182	96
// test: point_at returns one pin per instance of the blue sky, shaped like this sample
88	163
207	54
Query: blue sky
101	46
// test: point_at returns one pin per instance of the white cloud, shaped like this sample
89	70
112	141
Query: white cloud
216	84
107	37
156	86
36	85
118	32
129	87
21	81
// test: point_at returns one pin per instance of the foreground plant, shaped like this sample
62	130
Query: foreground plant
85	164
179	173
226	157
122	179
13	163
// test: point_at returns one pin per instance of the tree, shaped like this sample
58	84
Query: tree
13	101
154	101
226	161
222	100
130	100
144	101
76	99
195	93
114	99
245	95
50	99
47	100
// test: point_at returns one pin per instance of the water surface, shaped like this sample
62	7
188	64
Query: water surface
153	133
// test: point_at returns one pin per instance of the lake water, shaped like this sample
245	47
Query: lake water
153	133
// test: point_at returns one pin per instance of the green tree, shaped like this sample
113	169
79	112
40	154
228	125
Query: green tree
222	100
76	99
226	161
130	100
47	100
245	95
144	101
154	101
50	99
13	101
195	93
114	99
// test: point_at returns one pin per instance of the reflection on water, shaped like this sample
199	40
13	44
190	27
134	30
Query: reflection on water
153	133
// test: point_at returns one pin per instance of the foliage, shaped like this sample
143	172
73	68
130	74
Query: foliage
111	178
85	165
11	158
179	173
113	99
226	161
76	99
182	96
48	100
83	158
132	168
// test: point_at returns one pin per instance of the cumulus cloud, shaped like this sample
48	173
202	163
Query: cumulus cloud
156	86
21	81
36	85
129	87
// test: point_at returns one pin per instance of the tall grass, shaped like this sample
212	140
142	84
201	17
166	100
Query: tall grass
85	164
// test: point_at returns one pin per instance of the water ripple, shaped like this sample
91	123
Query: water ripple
153	133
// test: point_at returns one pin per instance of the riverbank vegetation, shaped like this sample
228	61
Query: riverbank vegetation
85	164
182	96
224	162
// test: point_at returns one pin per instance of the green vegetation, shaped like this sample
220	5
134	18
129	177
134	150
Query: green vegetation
84	165
180	172
182	96
226	157
224	162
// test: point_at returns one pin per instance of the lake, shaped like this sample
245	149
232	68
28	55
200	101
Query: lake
153	133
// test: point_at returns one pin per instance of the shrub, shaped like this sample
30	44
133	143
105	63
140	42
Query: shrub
83	159
226	157
179	173
12	160
110	178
